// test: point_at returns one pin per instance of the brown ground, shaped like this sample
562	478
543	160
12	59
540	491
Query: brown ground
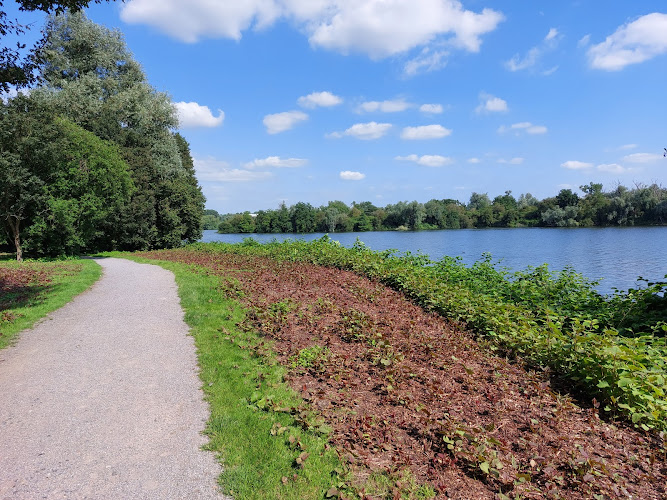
404	388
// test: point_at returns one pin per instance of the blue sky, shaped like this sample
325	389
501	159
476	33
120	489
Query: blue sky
389	100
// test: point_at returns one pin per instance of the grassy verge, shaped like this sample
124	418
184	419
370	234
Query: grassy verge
626	373
268	442
32	289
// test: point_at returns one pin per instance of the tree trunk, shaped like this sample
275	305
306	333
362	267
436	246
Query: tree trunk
17	238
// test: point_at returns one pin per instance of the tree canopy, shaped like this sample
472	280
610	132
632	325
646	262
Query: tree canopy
17	67
114	173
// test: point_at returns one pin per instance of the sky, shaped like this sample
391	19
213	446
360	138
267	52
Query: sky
401	100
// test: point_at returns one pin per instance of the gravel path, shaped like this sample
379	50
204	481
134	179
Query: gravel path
102	399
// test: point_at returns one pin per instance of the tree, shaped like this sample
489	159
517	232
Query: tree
62	186
303	217
567	198
16	70
86	195
89	76
479	201
25	160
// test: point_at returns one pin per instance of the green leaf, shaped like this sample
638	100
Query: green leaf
485	467
602	384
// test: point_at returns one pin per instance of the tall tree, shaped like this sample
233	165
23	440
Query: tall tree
90	76
16	67
62	187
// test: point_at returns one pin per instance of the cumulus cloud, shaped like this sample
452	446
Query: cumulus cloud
611	168
514	161
432	109
632	43
642	158
212	170
527	127
280	122
427	160
348	175
576	165
192	115
394	106
535	54
491	104
364	131
276	162
319	99
374	27
474	160
425	132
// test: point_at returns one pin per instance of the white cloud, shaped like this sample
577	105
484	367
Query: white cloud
364	131
550	71
348	175
427	160
632	43
628	146
576	165
276	162
642	158
394	106
433	109
612	168
474	160
319	99
533	56
191	115
514	161
584	41
212	170
377	28
280	122
427	60
491	104
520	127
425	132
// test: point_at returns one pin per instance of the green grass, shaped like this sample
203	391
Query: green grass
253	428
70	278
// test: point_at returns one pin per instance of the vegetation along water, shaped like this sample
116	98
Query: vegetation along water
422	390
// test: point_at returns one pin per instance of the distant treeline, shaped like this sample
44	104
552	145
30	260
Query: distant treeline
642	205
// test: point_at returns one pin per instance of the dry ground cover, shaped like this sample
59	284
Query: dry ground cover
409	394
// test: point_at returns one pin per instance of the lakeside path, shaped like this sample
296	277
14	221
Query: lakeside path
102	398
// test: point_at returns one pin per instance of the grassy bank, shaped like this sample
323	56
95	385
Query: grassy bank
611	350
32	289
268	442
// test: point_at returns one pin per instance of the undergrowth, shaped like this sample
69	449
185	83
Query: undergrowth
610	349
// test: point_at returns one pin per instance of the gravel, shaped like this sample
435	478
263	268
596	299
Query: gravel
102	399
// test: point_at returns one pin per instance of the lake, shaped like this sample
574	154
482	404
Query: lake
616	256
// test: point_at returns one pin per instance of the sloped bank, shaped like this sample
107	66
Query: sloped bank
409	395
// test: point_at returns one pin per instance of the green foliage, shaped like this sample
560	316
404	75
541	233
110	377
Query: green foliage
555	321
644	205
90	77
64	188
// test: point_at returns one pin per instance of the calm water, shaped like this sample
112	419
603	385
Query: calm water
617	256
